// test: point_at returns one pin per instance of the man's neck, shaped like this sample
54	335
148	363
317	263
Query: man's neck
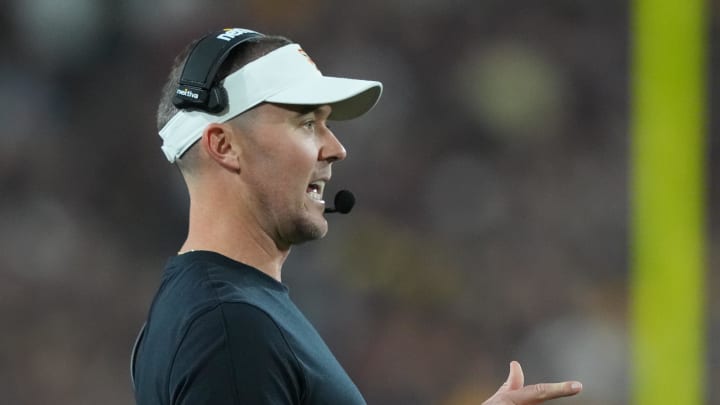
234	237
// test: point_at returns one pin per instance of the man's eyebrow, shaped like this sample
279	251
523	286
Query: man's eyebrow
301	110
307	109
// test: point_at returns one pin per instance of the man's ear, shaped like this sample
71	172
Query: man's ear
219	143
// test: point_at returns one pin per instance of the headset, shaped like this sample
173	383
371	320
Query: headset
199	88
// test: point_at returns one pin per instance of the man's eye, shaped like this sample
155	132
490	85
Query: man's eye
309	124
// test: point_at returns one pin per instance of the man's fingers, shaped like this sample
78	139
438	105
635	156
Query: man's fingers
513	392
535	394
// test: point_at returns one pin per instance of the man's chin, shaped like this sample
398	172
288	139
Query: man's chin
309	230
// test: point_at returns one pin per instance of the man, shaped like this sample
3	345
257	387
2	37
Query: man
244	116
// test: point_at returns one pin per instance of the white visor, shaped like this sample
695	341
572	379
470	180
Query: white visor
286	76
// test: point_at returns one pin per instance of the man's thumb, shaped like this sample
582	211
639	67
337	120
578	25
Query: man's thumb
516	379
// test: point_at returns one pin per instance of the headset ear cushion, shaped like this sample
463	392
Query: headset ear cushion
217	100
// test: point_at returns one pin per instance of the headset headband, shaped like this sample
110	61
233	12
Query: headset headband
199	88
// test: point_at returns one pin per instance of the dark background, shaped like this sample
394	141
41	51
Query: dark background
492	187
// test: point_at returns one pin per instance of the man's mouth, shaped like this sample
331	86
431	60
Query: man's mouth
315	190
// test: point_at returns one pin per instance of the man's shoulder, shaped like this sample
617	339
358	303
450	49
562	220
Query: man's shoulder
205	286
200	280
202	311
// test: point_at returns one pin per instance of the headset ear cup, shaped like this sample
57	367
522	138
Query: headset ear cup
217	100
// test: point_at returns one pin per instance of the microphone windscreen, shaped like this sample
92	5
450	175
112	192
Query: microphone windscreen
344	201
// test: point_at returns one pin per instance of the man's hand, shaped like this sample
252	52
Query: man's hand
513	391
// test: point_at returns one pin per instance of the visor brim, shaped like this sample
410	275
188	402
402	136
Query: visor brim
349	98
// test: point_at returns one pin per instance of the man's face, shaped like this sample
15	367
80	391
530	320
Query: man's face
286	158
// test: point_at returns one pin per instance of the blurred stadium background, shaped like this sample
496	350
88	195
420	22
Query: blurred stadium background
492	186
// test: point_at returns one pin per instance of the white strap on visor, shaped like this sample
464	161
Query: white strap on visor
286	75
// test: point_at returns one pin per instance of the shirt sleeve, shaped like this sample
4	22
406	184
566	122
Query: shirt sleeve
235	354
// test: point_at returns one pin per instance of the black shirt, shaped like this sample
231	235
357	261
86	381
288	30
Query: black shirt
220	332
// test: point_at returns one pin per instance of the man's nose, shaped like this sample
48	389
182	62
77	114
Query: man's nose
332	150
